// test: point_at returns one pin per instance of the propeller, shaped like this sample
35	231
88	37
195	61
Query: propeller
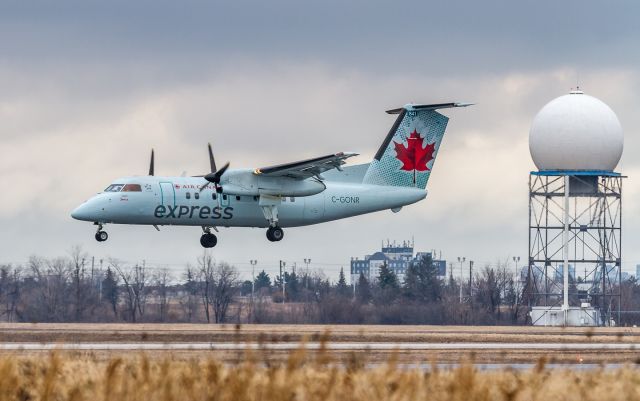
215	175
151	164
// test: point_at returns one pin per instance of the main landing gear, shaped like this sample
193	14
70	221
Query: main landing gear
101	236
275	234
269	205
208	239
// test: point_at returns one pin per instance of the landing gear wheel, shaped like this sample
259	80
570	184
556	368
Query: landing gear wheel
208	240
275	234
102	236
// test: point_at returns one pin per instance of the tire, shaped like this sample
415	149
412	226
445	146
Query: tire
277	234
102	236
208	240
270	234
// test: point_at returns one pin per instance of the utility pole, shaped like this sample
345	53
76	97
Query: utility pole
253	282
461	259
306	277
282	264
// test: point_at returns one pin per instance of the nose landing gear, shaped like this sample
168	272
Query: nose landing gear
275	234
208	239
101	236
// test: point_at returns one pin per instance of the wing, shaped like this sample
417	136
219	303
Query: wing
306	168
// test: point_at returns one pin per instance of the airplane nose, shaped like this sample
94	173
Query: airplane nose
82	212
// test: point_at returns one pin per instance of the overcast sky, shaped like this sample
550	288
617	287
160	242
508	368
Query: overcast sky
87	88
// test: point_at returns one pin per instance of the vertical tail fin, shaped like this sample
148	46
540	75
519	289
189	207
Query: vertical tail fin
407	155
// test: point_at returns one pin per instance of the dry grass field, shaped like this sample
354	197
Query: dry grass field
63	377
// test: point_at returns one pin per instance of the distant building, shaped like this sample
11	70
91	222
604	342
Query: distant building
560	273
637	272
397	257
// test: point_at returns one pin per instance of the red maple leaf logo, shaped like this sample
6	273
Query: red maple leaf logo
414	156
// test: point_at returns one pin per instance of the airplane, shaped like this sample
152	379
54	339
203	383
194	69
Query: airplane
294	194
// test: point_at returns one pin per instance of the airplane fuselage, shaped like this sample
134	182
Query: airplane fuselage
179	201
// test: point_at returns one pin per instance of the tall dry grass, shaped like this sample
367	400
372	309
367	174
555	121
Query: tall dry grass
75	377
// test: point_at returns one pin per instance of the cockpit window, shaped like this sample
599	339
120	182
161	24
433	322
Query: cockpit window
114	188
132	188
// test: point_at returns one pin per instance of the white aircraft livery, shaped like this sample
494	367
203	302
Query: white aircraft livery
288	195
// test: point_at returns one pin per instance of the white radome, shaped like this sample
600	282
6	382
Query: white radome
576	132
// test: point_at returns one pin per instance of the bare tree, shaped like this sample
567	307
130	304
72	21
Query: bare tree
226	281
9	290
189	300
134	281
161	281
51	284
81	287
206	267
109	290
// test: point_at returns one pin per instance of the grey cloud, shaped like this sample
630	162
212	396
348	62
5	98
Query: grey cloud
88	88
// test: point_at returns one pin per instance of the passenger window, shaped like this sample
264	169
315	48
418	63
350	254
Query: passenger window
188	195
132	188
224	197
196	195
214	196
237	197
292	199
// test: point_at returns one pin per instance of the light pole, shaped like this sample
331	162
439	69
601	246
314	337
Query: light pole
282	264
461	259
306	276
470	275
253	277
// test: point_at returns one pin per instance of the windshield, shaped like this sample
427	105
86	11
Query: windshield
132	188
114	188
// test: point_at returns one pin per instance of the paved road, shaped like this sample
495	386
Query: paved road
337	346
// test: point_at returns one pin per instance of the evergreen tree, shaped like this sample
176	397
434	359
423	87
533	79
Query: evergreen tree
245	288
342	288
262	281
421	281
292	286
388	286
110	290
363	290
387	279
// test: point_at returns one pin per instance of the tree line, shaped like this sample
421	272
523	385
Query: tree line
70	289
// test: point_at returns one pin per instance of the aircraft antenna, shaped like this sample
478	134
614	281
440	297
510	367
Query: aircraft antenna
151	163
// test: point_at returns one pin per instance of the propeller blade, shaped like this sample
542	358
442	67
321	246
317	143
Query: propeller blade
212	161
214	178
151	164
222	170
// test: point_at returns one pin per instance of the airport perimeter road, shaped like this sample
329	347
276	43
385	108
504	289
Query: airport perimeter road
343	346
206	333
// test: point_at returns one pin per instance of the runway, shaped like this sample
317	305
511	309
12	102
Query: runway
315	346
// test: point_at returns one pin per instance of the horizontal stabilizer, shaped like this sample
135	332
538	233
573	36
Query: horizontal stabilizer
435	106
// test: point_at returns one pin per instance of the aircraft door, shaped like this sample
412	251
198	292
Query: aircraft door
167	193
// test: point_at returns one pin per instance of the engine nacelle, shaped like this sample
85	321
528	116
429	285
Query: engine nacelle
245	182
